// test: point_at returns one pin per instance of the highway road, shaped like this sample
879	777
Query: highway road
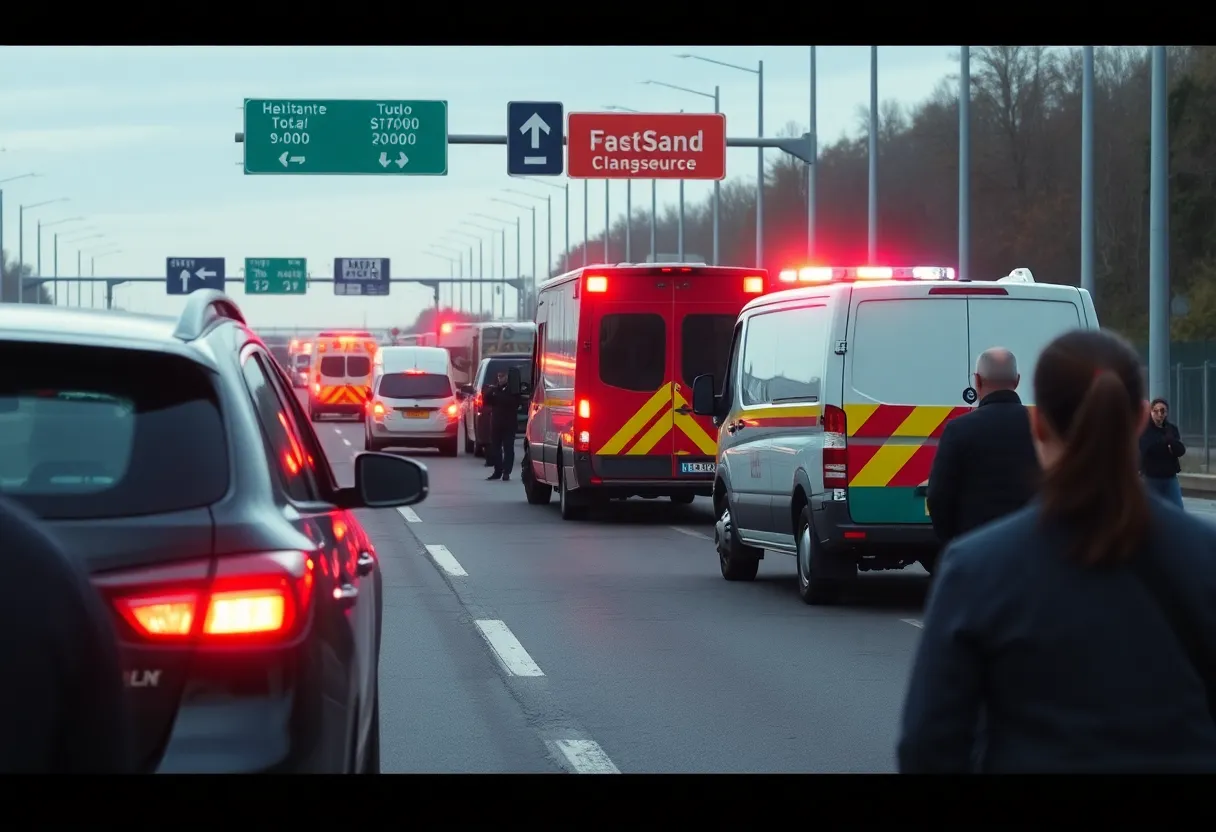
514	642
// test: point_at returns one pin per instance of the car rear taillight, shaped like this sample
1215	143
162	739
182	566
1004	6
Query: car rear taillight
452	411
477	401
835	448
584	409
316	388
582	436
377	411
597	283
246	600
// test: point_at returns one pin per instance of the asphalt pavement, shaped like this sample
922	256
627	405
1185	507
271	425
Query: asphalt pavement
515	642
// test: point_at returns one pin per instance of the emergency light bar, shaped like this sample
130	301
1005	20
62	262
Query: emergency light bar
831	274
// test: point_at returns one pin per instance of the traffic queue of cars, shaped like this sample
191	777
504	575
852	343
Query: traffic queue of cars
174	461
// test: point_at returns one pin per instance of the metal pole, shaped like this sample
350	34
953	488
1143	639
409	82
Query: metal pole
760	176
79	285
548	241
1087	169
1158	252
1207	454
566	259
38	254
717	187
607	218
3	256
92	284
533	246
964	163
680	227
810	170
20	254
55	267
502	272
586	217
628	220
872	236
519	275
481	275
654	220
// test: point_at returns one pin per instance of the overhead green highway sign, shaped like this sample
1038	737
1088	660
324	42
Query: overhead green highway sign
276	276
353	137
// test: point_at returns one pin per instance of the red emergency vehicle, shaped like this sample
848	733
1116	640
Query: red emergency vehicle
341	373
617	349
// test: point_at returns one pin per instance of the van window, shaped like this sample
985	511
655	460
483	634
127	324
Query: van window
1024	327
910	351
705	346
358	365
333	366
783	355
414	386
633	351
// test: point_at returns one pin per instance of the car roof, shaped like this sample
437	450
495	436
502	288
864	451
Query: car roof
819	290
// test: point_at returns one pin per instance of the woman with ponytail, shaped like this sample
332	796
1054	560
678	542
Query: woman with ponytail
1079	634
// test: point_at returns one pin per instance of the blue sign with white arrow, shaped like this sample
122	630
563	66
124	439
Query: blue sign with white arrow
536	136
184	275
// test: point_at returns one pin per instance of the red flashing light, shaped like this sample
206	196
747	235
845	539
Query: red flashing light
445	329
753	285
597	283
584	409
452	411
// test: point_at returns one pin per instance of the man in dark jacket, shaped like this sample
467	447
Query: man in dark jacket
62	701
1160	448
504	415
985	466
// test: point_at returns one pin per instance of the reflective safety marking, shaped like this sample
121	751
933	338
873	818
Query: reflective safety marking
693	430
884	465
651	437
618	441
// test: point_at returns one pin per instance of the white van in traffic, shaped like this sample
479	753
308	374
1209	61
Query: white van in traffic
835	395
413	401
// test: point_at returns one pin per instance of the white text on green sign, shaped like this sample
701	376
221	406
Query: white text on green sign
276	275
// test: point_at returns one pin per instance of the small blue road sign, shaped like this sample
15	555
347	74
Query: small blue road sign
536	135
184	275
361	276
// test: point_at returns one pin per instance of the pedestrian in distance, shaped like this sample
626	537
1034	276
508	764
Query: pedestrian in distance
63	704
985	466
504	410
1160	448
1082	628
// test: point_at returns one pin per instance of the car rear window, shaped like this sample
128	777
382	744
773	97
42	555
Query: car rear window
333	366
705	346
633	351
89	433
302	361
497	366
358	365
415	386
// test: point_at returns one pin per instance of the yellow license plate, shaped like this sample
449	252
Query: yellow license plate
417	414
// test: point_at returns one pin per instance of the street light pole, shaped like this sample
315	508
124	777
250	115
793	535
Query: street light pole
93	285
607	218
532	208
3	261
79	286
872	224
21	209
810	169
549	234
586	217
38	237
654	195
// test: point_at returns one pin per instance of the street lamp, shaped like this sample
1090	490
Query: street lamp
2	181
518	274
759	73
21	209
548	229
480	268
80	251
654	202
38	256
93	273
459	252
532	209
503	235
452	262
79	285
715	97
549	235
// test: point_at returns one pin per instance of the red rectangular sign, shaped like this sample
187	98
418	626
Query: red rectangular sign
646	146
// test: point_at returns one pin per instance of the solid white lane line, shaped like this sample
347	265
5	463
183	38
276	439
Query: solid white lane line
338	431
445	560
586	757
692	533
409	515
913	622
510	653
347	441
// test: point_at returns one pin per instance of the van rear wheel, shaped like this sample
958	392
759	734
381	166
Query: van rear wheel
538	493
572	505
813	586
738	561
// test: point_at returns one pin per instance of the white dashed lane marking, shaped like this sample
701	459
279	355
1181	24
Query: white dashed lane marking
345	441
445	560
507	649
914	622
409	514
585	757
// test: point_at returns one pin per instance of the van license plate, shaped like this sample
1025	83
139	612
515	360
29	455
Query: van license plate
417	414
698	467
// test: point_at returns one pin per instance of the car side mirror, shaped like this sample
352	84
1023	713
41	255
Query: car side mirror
703	400
385	481
513	381
467	390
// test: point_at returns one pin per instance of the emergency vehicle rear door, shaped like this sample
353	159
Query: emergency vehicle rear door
630	415
907	372
705	308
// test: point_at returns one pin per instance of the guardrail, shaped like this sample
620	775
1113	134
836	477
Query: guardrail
1198	485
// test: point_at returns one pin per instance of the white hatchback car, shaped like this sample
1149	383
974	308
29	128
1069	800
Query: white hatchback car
413	402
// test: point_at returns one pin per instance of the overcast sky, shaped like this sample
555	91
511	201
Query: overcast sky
140	139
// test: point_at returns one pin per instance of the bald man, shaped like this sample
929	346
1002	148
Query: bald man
985	466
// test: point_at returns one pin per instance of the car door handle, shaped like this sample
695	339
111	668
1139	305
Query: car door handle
683	410
346	594
734	427
365	564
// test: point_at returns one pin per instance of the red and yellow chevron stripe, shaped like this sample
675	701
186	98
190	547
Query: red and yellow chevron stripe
876	461
653	421
343	394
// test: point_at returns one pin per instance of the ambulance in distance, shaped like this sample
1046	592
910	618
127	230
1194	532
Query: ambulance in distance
341	373
833	400
617	349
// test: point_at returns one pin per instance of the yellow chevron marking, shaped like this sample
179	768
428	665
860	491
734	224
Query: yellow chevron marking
651	437
857	414
692	429
646	412
922	421
884	465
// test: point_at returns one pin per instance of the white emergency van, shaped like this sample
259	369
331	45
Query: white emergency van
413	402
835	395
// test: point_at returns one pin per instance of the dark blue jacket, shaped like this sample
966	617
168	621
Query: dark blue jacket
1160	448
1071	669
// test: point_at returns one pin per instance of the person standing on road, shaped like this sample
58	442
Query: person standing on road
62	705
504	416
1160	447
1081	628
985	466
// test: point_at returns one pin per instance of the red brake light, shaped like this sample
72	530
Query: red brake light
414	371
445	329
477	400
753	285
452	411
597	283
584	409
250	599
967	290
835	448
377	410
316	387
